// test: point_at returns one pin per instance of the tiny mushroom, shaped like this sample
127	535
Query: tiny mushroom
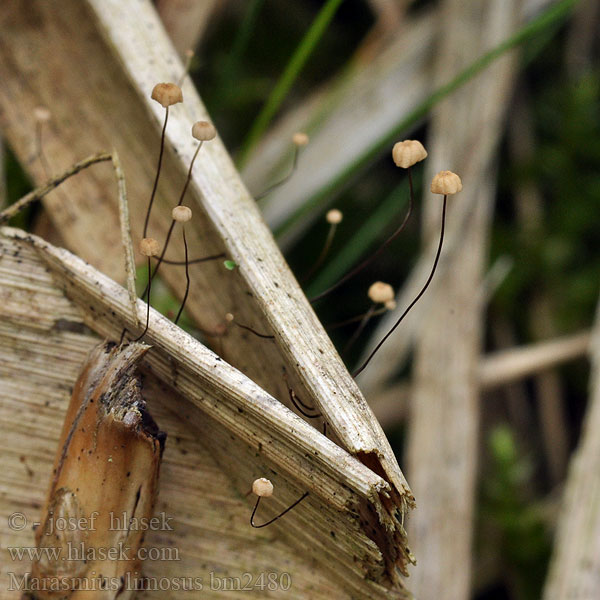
149	247
181	214
262	487
408	153
334	216
300	138
446	182
167	94
204	131
41	114
390	305
381	293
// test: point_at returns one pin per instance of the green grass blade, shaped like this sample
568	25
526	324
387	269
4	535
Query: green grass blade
537	26
361	241
287	79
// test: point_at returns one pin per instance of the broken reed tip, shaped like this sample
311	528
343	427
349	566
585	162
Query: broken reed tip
300	139
41	114
381	293
262	487
167	94
149	247
204	131
181	214
445	183
408	153
334	216
390	305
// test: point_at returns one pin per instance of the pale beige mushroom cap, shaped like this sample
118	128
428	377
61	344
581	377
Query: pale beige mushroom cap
446	182
334	216
408	153
41	114
149	247
167	94
381	292
262	487
204	131
300	138
181	214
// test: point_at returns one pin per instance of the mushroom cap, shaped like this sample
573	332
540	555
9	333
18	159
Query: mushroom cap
334	216
380	292
408	153
181	214
167	94
446	182
41	114
204	131
262	487
149	247
300	138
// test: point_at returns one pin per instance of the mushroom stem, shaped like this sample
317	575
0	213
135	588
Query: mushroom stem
363	323
148	288
187	276
377	252
324	252
418	296
285	178
155	186
172	225
278	516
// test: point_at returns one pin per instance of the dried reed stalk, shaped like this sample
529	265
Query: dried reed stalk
249	433
95	46
443	435
575	565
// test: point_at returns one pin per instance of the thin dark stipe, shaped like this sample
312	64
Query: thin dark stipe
194	261
187	277
160	157
278	516
324	252
418	297
284	179
359	329
172	225
377	252
149	287
354	319
260	335
298	403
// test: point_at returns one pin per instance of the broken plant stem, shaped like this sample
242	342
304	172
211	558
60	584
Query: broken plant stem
126	236
41	191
